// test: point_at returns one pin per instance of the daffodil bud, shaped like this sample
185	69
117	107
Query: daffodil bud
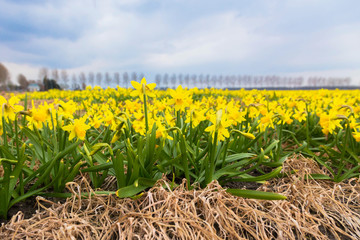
218	117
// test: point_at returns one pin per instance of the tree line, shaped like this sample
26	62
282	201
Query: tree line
164	81
54	78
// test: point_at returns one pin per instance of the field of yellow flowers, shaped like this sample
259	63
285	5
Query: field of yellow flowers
140	134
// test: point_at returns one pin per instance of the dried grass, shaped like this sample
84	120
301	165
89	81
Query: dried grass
1	171
314	210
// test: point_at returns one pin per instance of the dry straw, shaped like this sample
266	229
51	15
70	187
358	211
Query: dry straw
314	210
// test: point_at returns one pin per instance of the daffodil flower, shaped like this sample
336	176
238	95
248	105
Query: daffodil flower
180	98
356	136
77	129
220	125
10	107
143	88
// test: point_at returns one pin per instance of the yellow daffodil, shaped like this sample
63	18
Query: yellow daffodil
356	136
143	88
196	116
220	124
77	129
39	116
329	122
180	98
10	107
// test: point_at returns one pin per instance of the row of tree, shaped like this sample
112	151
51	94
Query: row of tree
62	79
4	77
5	80
187	80
43	83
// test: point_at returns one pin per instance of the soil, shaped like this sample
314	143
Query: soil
243	185
331	236
28	207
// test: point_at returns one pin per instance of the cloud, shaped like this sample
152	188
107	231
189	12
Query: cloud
256	37
221	38
30	71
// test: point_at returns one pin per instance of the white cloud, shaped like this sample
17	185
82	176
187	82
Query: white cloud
220	38
29	71
111	35
335	47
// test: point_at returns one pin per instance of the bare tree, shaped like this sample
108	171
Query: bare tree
173	80
64	77
43	73
55	75
193	80
4	75
180	77
187	80
91	78
213	81
23	82
299	81
207	81
267	81
220	81
226	81
158	80
134	77
107	79
126	79
41	85
166	80
98	78
201	81
117	78
141	76
233	81
74	81
347	81
82	79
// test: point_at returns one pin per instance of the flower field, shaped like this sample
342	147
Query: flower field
141	135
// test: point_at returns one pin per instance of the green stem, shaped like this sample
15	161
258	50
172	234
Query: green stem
307	126
184	158
178	121
211	168
16	136
279	150
5	143
225	151
146	114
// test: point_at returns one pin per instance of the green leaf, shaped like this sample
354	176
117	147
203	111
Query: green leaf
130	191
119	169
256	194
260	178
349	173
70	177
66	151
230	169
237	156
96	168
318	176
36	140
98	146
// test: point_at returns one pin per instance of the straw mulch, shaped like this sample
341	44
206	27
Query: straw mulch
313	210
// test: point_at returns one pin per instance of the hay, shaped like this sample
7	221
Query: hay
314	210
1	171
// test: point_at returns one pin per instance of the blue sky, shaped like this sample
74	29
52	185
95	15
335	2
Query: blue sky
181	36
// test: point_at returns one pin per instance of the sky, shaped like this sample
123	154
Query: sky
257	37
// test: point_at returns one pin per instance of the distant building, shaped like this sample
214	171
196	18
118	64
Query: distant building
33	87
